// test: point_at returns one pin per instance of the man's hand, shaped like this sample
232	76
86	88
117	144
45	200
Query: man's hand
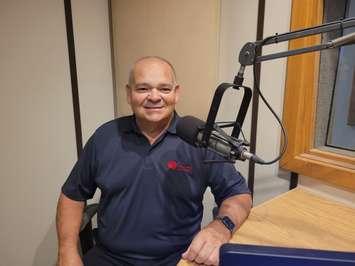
204	248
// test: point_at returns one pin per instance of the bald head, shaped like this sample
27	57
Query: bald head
148	61
152	93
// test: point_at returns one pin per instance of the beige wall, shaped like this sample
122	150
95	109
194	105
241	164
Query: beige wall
93	58
201	37
37	136
203	40
185	32
37	128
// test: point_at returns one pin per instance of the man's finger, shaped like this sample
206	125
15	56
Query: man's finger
193	250
204	253
213	259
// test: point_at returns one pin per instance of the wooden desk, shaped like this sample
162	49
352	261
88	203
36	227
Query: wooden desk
300	219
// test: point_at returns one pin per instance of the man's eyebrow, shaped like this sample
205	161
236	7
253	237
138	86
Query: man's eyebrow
165	84
142	84
159	84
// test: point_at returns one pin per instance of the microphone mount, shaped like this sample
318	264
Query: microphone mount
249	55
215	106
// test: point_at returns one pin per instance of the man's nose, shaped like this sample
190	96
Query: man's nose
154	95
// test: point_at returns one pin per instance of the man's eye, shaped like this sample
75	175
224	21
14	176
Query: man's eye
142	89
165	90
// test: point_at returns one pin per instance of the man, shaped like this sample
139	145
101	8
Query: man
152	185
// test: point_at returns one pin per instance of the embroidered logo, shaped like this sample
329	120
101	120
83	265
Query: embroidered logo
180	167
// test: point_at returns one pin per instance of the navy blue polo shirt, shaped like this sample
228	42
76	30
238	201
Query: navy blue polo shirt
151	195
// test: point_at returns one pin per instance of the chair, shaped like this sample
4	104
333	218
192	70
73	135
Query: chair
87	233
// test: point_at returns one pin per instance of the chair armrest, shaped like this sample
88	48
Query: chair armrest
89	212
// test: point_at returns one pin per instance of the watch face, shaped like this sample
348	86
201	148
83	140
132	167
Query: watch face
227	222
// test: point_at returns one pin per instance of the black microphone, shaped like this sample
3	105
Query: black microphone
190	129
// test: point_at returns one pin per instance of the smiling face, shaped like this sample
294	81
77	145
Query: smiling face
152	92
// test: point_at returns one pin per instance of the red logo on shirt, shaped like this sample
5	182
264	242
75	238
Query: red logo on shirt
180	167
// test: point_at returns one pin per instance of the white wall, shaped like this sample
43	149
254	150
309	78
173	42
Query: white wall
37	136
238	26
272	84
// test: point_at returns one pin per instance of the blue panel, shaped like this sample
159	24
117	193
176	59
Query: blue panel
342	135
243	255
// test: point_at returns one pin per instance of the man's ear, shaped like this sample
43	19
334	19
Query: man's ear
128	94
177	93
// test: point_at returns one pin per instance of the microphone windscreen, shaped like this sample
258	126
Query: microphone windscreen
188	128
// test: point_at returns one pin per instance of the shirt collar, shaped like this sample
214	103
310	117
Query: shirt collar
172	127
130	124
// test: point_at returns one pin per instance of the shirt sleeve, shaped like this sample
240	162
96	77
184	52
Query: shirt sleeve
225	181
80	184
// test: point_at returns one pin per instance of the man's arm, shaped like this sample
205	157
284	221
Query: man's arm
69	215
204	248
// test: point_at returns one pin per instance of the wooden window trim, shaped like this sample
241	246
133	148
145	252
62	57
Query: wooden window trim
300	108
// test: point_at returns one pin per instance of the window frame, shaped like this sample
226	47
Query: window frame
300	107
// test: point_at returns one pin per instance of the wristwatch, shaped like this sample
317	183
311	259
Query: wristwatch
227	222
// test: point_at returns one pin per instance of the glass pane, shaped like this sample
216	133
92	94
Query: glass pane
335	126
341	130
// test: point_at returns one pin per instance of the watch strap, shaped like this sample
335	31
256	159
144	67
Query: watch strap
227	222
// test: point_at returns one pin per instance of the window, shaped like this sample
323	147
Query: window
306	113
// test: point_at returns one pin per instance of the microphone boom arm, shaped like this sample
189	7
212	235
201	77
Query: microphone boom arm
247	55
